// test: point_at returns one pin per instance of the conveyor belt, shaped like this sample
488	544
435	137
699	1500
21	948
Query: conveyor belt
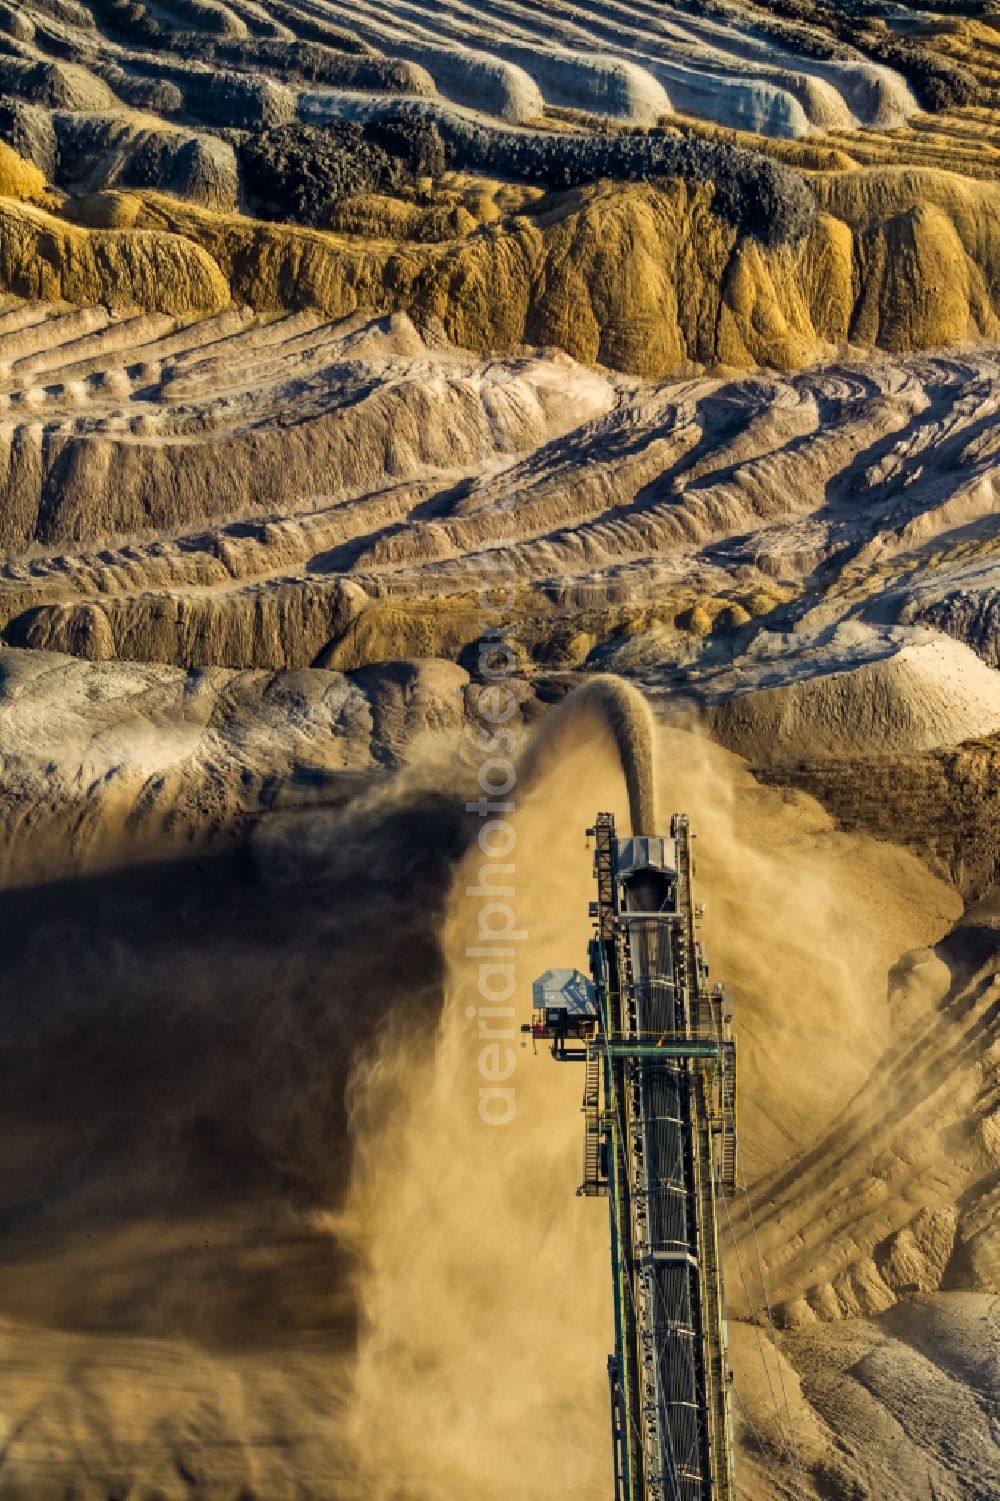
659	1140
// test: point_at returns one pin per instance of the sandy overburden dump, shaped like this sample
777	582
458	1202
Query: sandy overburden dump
682	321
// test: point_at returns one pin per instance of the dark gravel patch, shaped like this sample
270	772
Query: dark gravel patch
300	172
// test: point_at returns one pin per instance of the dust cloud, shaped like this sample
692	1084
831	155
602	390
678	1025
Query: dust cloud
314	1234
483	1283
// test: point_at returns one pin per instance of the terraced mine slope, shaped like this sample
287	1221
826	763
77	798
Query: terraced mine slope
494	168
672	334
277	493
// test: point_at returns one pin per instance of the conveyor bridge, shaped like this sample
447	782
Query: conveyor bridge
655	1040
